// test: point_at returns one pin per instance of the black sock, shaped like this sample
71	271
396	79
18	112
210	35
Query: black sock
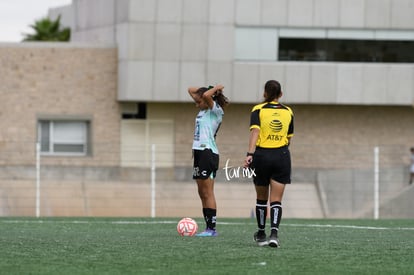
275	215
210	216
261	213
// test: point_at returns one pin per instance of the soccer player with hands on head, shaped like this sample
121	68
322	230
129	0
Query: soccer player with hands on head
211	102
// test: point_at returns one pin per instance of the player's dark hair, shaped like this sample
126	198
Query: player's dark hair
202	90
219	98
273	90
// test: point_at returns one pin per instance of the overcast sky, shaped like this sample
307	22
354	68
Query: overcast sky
17	15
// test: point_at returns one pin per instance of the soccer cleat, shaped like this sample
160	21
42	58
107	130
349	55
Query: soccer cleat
208	233
273	240
260	238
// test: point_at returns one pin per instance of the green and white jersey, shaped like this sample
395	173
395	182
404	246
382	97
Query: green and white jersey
207	124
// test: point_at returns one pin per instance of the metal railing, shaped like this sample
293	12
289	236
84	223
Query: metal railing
329	181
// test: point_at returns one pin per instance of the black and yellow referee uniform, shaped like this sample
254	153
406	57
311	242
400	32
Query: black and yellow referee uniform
272	157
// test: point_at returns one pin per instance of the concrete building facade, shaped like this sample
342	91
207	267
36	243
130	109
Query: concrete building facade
166	45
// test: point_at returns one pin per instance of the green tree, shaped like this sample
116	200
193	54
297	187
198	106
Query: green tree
48	30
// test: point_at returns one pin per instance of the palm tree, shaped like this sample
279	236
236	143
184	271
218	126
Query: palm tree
48	30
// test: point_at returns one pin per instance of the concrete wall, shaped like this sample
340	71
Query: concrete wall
131	199
167	45
349	193
344	14
325	136
180	199
58	81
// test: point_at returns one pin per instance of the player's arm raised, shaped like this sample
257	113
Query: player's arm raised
208	96
192	91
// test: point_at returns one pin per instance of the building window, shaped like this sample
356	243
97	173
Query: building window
325	45
64	137
134	110
346	50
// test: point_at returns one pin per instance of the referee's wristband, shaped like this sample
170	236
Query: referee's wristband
249	154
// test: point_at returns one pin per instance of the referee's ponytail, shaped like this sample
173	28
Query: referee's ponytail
273	90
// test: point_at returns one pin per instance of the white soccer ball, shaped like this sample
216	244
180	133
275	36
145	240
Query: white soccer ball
187	227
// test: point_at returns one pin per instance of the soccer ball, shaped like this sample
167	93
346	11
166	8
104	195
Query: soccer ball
187	227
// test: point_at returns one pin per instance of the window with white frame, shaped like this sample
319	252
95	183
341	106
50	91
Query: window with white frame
63	137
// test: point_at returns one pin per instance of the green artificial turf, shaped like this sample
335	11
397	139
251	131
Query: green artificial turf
152	246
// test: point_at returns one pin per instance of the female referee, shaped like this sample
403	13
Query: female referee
211	102
271	127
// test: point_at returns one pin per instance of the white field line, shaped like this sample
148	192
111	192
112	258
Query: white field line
350	226
219	223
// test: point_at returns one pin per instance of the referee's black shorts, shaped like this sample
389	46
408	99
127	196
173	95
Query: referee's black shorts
205	164
271	163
